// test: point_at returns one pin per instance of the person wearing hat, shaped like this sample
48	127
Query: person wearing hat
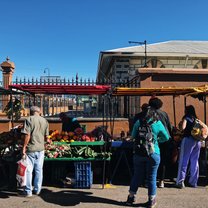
69	124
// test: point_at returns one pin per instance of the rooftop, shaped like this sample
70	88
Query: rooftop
179	46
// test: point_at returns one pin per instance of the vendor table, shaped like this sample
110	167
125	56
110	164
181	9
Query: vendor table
100	146
120	149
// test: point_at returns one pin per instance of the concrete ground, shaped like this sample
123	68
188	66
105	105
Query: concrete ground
113	196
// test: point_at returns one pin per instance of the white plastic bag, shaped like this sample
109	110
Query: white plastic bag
21	172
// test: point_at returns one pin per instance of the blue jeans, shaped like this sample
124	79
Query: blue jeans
145	167
34	164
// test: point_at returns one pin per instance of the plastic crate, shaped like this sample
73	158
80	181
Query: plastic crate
83	175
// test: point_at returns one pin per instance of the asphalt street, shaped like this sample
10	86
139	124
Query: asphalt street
109	196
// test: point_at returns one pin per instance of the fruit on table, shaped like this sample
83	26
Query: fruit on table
85	138
65	136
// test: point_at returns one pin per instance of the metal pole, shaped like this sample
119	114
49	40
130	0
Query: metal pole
48	71
145	50
184	102
174	111
12	109
145	53
104	111
205	109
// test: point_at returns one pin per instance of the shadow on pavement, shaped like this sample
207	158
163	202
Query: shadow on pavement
72	198
7	194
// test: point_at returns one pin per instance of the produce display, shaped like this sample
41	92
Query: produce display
74	145
77	135
59	150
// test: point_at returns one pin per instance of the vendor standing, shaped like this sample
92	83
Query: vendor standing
69	123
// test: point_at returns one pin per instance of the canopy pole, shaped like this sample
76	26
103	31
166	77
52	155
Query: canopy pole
205	108
104	112
34	100
76	104
12	109
205	121
174	111
184	102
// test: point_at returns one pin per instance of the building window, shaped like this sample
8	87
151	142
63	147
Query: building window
154	63
121	72
204	63
118	66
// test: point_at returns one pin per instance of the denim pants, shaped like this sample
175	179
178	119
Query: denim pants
145	167
34	164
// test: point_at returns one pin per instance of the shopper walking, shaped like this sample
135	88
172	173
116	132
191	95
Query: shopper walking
35	132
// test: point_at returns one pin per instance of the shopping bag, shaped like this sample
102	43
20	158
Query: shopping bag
21	172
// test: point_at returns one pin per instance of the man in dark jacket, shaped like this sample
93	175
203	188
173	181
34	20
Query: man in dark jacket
142	113
68	123
165	154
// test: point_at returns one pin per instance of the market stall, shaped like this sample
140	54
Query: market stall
61	149
163	91
71	146
9	146
201	95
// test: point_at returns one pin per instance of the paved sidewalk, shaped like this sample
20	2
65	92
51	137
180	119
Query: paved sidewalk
95	197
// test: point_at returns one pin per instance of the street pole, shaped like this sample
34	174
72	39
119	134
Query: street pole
145	50
48	71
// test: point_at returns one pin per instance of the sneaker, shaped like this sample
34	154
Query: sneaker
151	203
24	194
192	186
130	200
36	193
180	185
161	184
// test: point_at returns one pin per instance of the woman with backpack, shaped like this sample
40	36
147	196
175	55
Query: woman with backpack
189	150
146	154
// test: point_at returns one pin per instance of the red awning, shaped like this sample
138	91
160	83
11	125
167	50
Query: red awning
62	89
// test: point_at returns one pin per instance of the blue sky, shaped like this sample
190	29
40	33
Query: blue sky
67	36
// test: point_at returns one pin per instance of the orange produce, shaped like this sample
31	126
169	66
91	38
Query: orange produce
65	137
71	134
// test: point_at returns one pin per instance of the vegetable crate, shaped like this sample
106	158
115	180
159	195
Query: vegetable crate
83	175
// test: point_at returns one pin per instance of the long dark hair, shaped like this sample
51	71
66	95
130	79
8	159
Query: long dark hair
151	115
190	111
